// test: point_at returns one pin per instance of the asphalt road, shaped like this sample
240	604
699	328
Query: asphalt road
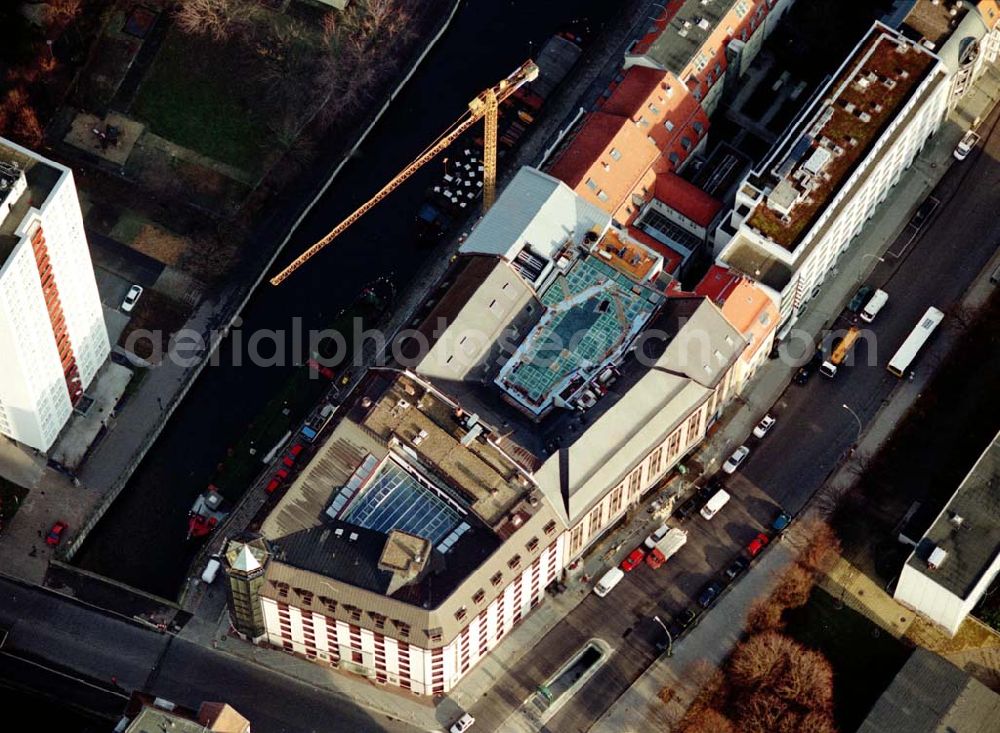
55	632
935	269
813	433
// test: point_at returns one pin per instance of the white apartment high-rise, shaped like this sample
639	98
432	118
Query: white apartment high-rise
52	333
799	211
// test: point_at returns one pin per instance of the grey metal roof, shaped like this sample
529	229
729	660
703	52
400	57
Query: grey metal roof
555	60
974	543
534	209
485	307
686	33
931	695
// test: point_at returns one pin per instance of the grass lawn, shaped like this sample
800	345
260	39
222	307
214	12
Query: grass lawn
11	496
196	95
863	663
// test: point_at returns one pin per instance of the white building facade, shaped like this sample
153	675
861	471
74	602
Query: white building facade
764	237
401	656
958	559
52	333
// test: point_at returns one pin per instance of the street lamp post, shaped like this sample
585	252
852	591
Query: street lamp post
670	639
858	419
861	264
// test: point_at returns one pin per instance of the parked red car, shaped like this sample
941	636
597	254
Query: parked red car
320	369
55	535
277	480
289	460
757	544
635	557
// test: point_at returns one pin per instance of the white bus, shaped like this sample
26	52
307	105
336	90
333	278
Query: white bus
900	363
877	302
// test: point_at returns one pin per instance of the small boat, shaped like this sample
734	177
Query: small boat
206	513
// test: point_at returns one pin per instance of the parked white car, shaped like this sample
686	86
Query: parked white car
734	461
134	293
462	724
765	424
968	142
658	534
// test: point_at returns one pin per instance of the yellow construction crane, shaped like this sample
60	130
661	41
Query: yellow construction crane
485	105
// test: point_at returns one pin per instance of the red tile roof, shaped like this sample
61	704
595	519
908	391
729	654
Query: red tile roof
686	198
717	284
634	91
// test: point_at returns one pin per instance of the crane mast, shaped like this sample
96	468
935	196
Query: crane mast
485	106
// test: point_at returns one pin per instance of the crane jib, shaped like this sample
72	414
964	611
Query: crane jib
485	105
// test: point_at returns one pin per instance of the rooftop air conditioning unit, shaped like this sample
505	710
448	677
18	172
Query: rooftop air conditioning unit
957	520
937	558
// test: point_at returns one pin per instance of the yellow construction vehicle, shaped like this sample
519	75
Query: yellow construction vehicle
485	106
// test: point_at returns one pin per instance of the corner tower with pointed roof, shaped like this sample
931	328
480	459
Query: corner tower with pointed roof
244	563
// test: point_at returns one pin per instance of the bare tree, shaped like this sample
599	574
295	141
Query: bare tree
220	19
794	588
806	680
705	720
28	128
816	722
765	615
380	13
823	548
756	659
60	13
760	712
20	117
329	27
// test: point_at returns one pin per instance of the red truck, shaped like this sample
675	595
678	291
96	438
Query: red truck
671	542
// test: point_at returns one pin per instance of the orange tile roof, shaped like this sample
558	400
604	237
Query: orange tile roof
588	156
686	198
638	87
990	10
747	307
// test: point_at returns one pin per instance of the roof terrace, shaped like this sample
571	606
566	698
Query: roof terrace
628	257
818	156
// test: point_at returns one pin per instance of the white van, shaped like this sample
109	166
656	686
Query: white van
211	570
608	581
719	500
874	305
